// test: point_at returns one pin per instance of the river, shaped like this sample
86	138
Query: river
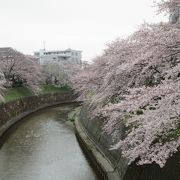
43	146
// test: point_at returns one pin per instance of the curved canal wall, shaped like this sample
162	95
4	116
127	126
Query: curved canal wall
13	111
110	163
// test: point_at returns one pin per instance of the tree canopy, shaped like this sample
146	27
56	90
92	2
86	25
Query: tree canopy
136	82
20	69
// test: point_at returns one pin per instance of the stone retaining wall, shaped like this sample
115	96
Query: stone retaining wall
13	111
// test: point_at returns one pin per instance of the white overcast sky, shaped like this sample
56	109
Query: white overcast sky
85	25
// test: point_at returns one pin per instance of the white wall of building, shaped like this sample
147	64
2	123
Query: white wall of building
45	56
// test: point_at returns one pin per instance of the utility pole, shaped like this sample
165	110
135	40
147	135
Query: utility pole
44	45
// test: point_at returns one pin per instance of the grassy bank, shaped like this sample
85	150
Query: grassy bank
45	89
21	92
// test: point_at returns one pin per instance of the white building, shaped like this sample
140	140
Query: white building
67	55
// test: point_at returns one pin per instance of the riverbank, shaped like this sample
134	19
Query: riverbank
13	111
97	158
16	93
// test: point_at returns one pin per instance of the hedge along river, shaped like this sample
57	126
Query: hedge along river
43	147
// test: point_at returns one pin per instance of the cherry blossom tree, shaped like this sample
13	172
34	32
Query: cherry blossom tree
136	84
168	6
19	69
2	82
60	73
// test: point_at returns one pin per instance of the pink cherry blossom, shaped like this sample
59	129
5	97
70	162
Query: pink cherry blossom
136	84
20	69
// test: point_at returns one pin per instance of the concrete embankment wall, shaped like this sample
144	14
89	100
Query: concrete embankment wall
110	162
13	111
102	142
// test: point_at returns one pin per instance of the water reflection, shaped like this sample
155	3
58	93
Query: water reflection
44	147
